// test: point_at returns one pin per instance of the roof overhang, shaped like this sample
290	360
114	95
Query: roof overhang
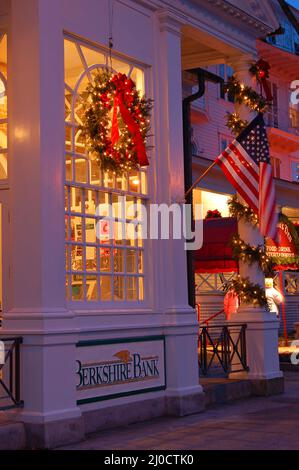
282	141
282	63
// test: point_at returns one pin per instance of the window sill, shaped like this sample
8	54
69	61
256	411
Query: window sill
102	310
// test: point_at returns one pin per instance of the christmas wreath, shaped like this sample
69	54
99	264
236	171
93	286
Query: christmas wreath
115	122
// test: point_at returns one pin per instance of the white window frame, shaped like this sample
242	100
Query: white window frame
104	304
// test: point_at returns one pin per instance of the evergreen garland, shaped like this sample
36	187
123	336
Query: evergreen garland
244	94
252	254
248	292
235	123
241	211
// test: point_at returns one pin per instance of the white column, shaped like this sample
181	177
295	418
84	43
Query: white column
37	285
262	327
247	231
183	389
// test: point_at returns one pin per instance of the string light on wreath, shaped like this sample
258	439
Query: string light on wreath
115	122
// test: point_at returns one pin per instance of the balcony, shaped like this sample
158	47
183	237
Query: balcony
283	129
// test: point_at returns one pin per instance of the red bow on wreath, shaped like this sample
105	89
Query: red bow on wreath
122	100
262	69
215	214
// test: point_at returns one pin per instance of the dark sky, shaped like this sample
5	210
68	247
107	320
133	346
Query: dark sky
295	3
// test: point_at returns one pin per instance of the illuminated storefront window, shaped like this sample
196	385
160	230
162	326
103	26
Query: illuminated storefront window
3	106
211	201
101	264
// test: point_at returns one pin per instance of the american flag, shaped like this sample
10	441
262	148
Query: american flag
246	164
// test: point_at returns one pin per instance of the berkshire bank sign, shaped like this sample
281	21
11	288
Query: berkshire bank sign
109	370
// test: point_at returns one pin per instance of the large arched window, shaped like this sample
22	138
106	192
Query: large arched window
3	106
98	268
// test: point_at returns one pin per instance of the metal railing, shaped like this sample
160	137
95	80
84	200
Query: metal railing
10	373
222	349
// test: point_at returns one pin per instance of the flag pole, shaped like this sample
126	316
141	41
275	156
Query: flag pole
199	178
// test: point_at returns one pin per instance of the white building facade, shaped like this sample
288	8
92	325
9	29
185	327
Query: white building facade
108	335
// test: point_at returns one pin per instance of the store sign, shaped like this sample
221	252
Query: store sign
110	369
286	247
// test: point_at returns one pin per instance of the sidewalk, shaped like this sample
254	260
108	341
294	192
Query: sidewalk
254	423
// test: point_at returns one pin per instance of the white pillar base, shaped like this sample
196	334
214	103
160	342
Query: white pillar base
261	342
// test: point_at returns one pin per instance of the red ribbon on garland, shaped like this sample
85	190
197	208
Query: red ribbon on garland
263	68
123	95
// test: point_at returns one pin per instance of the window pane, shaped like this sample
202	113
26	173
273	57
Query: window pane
93	57
117	203
72	63
68	138
3	55
120	66
77	288
119	293
131	234
67	230
91	288
140	261
66	199
105	284
104	232
103	207
119	233
77	258
3	101
90	202
68	168
108	180
143	182
121	182
94	172
91	258
68	99
79	142
76	229
81	170
3	166
90	230
134	182
131	288
139	235
137	76
76	199
105	259
119	261
67	258
131	261
141	290
130	212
